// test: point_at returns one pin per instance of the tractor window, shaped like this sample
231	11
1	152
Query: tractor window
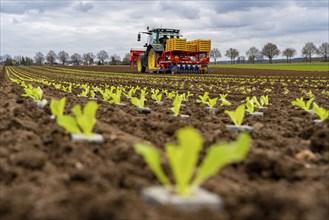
152	38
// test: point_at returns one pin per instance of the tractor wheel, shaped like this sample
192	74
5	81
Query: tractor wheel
151	59
140	67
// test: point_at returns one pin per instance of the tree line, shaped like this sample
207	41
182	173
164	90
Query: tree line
271	50
63	58
253	54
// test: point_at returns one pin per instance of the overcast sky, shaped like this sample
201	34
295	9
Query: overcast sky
78	26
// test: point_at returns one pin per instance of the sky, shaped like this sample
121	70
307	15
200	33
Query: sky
80	27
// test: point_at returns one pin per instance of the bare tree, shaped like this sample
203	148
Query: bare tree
241	59
126	59
324	50
28	61
39	58
102	56
289	53
215	53
7	60
51	57
309	50
18	59
232	53
88	58
253	53
270	50
63	56
115	59
76	59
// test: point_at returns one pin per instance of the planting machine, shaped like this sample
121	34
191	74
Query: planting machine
167	52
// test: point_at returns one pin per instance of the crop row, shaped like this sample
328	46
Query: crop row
226	95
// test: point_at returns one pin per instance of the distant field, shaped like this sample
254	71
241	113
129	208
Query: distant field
280	66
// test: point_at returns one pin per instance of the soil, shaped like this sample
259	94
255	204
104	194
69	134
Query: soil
44	175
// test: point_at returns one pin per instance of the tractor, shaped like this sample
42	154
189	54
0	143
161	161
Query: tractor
167	52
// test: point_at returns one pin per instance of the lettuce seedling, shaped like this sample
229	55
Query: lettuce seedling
69	88
203	99
310	94
256	103
156	96
183	159
116	97
264	100
34	93
250	105
57	107
224	100
176	105
185	96
237	115
299	102
85	91
139	102
129	95
212	102
107	93
83	122
92	94
321	112
171	95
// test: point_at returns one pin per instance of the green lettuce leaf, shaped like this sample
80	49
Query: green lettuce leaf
184	157
220	155
69	123
153	158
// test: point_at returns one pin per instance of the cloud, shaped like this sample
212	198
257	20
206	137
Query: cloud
16	21
91	26
84	7
180	9
240	5
21	7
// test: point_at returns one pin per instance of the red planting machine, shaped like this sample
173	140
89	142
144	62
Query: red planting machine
167	52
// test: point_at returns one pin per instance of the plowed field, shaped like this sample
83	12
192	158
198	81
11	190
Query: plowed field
45	175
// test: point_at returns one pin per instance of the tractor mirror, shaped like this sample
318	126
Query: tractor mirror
139	37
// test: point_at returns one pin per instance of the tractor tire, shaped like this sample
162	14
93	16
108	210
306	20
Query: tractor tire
151	59
140	67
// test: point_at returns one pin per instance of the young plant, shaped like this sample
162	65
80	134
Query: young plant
250	105
256	102
83	122
224	100
186	95
212	102
176	105
129	95
156	96
264	100
57	107
34	93
92	94
139	102
299	102
203	99
183	159
171	95
107	93
321	112
85	91
237	115
116	97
